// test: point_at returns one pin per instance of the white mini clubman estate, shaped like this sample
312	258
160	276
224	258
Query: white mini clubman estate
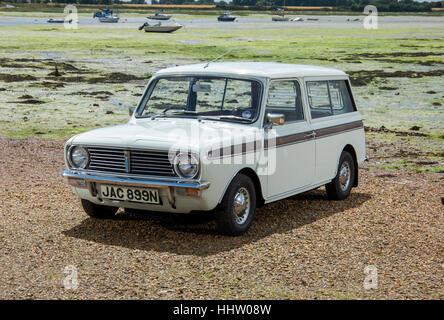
223	137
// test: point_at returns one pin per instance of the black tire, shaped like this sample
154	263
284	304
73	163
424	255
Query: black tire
98	211
228	222
337	189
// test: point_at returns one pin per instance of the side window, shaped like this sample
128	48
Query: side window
319	99
285	97
340	97
327	98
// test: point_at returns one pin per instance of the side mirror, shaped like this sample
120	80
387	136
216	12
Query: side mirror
274	118
131	111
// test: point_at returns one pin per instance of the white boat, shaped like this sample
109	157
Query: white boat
159	16
109	19
160	28
226	16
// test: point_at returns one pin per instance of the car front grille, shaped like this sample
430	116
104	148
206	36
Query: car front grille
119	160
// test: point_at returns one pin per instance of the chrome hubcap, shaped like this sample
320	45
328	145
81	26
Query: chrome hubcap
241	206
344	175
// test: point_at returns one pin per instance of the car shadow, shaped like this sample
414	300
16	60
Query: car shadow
195	234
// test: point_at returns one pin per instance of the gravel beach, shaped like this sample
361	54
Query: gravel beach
302	247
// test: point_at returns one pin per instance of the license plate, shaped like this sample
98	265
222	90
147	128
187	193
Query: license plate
143	195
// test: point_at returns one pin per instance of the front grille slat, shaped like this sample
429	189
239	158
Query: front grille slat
107	152
153	161
107	169
143	162
107	165
110	161
107	158
160	168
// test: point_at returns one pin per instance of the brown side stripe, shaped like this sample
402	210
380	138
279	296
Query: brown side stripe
339	128
285	140
293	138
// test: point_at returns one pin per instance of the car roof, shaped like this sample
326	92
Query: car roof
258	69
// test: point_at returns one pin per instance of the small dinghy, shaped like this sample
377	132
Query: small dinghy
58	20
226	16
160	28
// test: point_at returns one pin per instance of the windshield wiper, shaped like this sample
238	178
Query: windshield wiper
182	111
164	114
235	118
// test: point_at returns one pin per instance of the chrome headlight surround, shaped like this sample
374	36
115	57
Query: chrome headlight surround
186	165
78	157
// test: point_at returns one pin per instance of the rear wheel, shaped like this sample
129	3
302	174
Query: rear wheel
238	207
98	211
340	187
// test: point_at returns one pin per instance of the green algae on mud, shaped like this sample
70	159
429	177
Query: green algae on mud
120	60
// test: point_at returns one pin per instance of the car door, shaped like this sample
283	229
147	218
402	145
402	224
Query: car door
335	121
290	147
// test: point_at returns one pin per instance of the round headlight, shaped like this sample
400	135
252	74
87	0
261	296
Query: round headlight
186	165
79	157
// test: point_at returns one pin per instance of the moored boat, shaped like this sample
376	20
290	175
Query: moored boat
58	20
107	16
159	28
159	16
280	15
226	16
109	19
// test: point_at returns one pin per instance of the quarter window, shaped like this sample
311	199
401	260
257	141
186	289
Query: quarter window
327	98
285	97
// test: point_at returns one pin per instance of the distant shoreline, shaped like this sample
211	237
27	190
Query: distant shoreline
203	9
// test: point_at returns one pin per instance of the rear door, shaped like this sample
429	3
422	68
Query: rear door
335	121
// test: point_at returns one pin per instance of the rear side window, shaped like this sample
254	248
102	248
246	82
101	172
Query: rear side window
284	96
328	98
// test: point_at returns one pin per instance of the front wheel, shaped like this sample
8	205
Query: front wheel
238	207
340	187
98	211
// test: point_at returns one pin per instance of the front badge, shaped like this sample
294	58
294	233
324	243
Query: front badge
127	161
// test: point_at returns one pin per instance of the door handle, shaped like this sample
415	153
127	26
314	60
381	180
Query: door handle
313	134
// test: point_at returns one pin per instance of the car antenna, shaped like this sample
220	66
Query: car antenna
214	60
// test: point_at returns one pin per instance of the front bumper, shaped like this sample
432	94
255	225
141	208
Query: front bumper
84	180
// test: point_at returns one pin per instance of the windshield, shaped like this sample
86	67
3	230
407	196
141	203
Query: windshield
212	98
